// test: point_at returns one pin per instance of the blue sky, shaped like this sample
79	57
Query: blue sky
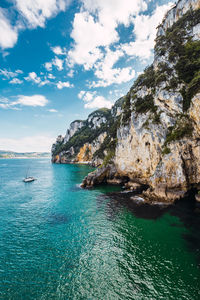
60	60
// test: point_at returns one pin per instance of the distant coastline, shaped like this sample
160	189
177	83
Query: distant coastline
23	155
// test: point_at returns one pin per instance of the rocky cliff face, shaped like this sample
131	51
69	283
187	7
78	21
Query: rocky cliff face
83	139
74	127
151	137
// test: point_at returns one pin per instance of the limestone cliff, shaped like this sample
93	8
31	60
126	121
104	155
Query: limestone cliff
151	136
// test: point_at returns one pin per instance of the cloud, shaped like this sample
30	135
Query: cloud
86	96
21	100
70	73
30	14
8	33
35	100
16	81
44	82
32	76
5	104
85	49
145	32
107	74
58	50
51	76
48	66
99	102
93	101
52	110
40	143
121	11
36	12
57	62
10	74
81	94
99	19
60	85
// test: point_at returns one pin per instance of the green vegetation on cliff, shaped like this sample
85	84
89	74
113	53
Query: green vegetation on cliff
184	52
88	133
176	69
182	128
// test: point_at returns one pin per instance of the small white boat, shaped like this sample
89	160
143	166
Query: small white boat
29	179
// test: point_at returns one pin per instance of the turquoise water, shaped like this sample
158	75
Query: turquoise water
58	241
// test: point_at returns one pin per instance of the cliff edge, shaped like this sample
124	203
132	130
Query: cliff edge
150	139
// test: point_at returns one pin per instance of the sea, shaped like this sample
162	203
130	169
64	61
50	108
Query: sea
58	241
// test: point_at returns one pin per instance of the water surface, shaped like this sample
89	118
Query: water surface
58	241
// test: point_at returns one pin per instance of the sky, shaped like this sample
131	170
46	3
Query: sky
62	59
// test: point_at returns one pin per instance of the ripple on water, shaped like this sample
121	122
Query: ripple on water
58	241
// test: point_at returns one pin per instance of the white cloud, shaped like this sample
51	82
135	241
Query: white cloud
35	100
57	62
121	11
145	32
16	81
21	100
70	73
19	71
31	14
32	76
8	34
86	96
112	76
60	85
99	102
85	49
44	82
93	101
40	143
52	110
48	66
6	106
4	100
10	74
81	94
107	74
36	12
58	50
99	19
51	76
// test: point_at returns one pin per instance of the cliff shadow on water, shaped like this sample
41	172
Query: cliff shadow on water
187	210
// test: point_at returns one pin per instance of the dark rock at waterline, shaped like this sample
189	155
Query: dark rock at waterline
107	174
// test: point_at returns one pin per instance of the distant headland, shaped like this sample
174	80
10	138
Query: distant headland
11	154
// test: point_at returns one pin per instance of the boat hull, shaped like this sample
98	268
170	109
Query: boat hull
29	179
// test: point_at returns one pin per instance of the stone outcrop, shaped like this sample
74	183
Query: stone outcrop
74	127
82	140
150	140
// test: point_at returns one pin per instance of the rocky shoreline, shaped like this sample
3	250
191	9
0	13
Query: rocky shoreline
149	141
109	175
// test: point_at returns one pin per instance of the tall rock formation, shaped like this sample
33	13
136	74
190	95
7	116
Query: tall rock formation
151	136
